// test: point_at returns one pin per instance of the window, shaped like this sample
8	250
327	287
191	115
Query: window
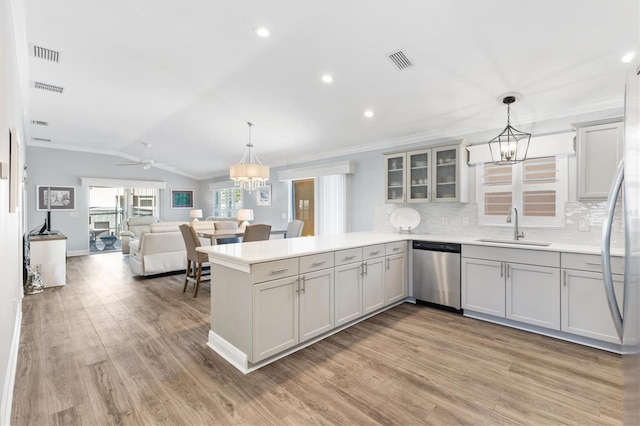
227	202
534	187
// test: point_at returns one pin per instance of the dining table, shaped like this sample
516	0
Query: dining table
225	233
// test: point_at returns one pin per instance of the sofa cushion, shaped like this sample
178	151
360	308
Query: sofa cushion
165	227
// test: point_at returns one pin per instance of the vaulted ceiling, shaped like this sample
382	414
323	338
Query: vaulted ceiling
186	76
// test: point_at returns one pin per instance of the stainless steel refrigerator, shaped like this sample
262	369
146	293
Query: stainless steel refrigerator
627	322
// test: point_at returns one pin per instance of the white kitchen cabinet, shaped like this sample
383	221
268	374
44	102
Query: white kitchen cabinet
585	310
348	292
395	279
483	286
599	149
437	174
373	292
275	317
316	303
518	284
533	295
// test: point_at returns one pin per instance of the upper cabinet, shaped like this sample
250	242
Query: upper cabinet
599	150
437	174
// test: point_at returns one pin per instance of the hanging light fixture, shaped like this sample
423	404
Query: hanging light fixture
511	145
250	173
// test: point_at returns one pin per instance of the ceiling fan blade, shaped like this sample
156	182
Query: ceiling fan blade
129	164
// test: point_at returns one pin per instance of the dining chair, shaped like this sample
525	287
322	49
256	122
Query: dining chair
195	259
257	232
226	225
294	229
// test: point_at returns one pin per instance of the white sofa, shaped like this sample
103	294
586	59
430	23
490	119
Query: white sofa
134	226
160	247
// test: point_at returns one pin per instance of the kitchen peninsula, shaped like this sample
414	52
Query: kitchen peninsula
271	298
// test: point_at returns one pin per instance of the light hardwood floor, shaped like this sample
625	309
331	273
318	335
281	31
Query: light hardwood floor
108	348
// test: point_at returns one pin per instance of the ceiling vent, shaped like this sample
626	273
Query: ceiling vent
400	60
45	86
42	140
44	53
39	123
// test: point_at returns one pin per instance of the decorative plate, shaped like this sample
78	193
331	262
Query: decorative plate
405	219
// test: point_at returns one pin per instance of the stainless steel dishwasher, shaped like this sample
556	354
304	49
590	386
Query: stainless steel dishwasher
436	274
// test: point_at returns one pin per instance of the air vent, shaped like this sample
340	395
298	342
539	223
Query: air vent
42	140
44	53
39	123
400	60
45	86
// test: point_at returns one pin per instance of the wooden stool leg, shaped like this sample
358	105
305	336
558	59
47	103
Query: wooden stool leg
198	278
186	277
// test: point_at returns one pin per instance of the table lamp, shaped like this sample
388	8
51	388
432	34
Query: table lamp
195	214
244	215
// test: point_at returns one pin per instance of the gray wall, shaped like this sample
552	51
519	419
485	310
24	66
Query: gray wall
11	224
65	168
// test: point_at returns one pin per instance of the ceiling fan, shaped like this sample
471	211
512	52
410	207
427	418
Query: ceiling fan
146	163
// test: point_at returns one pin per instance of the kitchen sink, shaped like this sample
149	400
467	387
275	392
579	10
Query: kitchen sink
518	242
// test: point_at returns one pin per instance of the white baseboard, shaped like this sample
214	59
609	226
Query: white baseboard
10	377
72	253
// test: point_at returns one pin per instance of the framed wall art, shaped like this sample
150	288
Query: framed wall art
181	198
264	196
56	197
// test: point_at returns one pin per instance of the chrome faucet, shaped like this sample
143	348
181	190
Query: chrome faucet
517	234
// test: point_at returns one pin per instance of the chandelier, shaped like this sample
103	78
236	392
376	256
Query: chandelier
250	173
511	145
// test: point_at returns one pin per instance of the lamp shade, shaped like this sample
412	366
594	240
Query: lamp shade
195	213
245	214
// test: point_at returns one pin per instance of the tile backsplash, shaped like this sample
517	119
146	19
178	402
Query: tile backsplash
451	219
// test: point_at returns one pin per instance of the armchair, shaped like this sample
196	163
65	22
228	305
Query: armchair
134	226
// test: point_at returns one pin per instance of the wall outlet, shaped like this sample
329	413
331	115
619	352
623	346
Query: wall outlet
583	225
465	222
445	221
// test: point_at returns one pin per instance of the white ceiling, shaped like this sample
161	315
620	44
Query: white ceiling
186	76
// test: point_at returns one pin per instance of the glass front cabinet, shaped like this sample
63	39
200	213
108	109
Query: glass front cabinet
437	174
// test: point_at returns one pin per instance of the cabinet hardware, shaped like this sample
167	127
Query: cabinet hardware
319	263
279	271
302	280
508	272
373	253
365	269
298	282
396	248
593	264
387	263
501	270
565	277
349	257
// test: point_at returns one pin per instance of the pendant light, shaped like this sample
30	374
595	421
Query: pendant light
249	174
511	145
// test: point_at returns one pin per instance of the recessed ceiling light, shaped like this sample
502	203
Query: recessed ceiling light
628	57
262	32
368	114
327	78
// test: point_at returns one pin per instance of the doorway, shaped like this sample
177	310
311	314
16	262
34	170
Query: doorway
304	204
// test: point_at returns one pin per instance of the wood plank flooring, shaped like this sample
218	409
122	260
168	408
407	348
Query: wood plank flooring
109	348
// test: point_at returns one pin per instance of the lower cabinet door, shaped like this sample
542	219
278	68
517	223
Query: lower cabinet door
483	286
316	303
395	278
533	295
585	310
275	317
373	293
348	293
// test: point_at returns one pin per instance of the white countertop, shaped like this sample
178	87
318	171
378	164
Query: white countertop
241	255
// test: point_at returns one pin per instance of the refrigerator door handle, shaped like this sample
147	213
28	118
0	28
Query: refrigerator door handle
616	185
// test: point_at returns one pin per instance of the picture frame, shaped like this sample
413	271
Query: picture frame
182	198
263	196
55	198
